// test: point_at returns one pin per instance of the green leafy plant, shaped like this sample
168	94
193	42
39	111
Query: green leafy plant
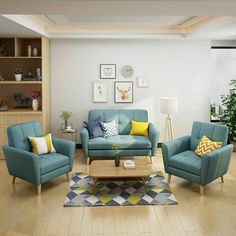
66	115
116	149
18	71
229	105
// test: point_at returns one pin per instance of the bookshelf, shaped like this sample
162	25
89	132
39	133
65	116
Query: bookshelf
15	55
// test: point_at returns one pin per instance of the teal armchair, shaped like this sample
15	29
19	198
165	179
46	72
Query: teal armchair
180	159
36	169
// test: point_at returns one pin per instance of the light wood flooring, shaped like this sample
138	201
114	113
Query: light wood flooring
22	212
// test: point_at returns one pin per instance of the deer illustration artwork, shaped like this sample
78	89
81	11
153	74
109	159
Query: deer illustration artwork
124	93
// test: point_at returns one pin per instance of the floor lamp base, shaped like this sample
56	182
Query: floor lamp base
168	132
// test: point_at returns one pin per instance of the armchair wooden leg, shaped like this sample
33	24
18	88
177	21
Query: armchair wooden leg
88	161
13	179
222	179
201	190
67	176
39	189
169	177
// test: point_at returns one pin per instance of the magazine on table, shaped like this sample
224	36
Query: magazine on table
129	164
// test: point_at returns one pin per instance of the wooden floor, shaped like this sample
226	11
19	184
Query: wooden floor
22	212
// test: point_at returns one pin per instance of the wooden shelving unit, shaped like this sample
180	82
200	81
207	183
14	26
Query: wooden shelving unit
17	57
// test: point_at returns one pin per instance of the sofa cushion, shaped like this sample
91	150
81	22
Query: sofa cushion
52	161
109	129
122	117
94	128
187	161
122	141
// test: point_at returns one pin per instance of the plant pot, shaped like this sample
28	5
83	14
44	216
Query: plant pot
18	77
117	161
35	104
234	143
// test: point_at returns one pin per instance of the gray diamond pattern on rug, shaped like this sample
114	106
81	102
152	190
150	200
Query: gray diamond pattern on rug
82	192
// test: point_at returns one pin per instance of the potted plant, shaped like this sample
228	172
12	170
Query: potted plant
18	74
117	152
229	115
66	115
35	103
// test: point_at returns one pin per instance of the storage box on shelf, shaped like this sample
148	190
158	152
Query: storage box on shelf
16	53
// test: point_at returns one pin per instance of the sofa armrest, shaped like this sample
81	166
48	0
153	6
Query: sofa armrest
84	135
65	147
22	164
215	164
154	135
174	147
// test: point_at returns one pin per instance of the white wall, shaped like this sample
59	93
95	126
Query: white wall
176	68
224	70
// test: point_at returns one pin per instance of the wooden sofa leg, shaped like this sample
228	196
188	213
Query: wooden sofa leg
222	179
169	177
88	161
39	189
13	179
201	190
67	176
151	159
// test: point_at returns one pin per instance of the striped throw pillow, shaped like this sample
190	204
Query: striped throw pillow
206	146
42	145
109	129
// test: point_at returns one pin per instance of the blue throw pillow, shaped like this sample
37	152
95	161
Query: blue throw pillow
94	128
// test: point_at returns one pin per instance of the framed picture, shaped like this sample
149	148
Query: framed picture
123	92
99	91
143	81
108	71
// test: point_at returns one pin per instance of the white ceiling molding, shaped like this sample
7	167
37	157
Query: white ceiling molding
58	29
35	23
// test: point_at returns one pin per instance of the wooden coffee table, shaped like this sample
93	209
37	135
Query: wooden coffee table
106	170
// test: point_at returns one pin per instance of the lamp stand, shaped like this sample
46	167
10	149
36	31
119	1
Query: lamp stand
168	132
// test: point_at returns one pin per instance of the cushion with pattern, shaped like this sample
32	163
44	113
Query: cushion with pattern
109	129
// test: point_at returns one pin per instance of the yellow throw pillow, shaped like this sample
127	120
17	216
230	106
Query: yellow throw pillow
206	146
139	128
42	145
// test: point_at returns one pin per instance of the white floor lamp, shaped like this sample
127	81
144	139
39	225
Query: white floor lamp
168	107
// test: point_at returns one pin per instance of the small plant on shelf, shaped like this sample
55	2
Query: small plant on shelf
117	152
229	115
66	115
18	74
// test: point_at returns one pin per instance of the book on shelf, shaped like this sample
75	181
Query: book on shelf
129	164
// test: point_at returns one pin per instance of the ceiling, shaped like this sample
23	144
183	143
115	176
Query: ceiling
170	19
9	28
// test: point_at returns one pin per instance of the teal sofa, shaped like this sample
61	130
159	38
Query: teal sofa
36	169
180	159
129	145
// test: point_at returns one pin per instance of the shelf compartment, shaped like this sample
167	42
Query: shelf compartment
8	92
21	45
10	46
8	67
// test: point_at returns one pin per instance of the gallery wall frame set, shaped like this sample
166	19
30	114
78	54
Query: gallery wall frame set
107	71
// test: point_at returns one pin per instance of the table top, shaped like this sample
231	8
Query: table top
107	169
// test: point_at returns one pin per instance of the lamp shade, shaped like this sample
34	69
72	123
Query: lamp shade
168	105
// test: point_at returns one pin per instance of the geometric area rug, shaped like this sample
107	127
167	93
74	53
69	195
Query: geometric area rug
83	192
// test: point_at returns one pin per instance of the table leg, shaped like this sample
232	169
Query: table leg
144	183
95	180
